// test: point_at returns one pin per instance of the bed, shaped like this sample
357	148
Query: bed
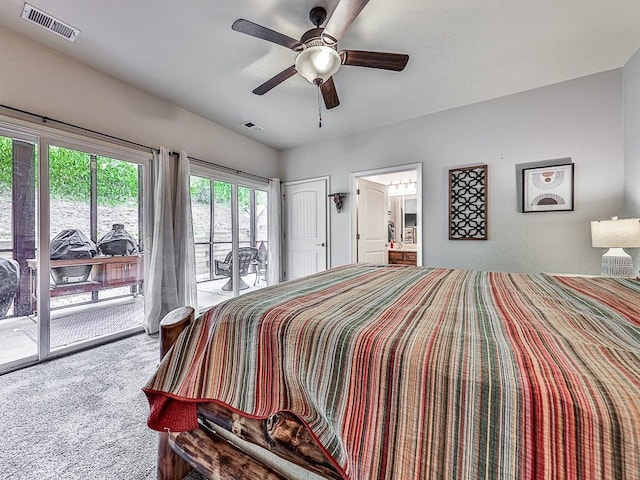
401	372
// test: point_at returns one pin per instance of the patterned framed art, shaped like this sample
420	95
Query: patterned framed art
547	189
468	203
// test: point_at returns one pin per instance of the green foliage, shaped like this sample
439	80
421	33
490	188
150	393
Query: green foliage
117	181
200	192
222	192
5	165
70	179
199	189
69	174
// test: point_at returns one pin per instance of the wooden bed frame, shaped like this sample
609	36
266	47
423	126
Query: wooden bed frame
563	402
215	457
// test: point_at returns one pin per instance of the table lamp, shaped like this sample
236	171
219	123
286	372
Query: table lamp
616	235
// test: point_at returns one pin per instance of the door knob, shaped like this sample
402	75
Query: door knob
320	244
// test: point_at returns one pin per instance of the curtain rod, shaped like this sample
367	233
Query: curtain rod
129	142
206	163
61	122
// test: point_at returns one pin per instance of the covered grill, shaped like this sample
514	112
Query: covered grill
117	242
9	278
68	245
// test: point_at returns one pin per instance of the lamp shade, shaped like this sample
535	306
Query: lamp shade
318	62
623	233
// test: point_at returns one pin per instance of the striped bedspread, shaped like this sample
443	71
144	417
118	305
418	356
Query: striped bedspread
408	373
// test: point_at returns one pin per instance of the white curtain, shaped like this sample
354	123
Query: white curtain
274	221
170	271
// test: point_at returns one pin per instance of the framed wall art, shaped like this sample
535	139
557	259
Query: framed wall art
547	189
468	203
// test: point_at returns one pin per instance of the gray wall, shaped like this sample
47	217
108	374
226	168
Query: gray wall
631	88
39	80
581	119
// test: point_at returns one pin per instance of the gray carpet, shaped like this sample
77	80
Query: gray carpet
91	323
81	416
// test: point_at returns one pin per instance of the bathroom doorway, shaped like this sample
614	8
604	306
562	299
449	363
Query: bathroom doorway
387	215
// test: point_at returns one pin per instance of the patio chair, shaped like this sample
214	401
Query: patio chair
246	257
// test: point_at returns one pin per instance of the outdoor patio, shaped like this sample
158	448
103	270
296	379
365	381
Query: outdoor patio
75	323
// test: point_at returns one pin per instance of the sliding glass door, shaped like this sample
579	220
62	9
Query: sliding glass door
230	226
18	232
96	255
71	250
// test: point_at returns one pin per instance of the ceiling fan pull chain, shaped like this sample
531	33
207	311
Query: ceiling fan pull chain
319	109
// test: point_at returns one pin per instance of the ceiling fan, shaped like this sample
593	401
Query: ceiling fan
318	57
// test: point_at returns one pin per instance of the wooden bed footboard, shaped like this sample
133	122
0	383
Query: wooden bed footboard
282	434
213	456
170	465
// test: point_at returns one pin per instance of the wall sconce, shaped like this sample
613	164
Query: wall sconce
337	199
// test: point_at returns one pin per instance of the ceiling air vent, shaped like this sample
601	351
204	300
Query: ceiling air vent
252	126
50	23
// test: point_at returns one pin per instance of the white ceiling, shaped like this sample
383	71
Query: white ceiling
461	52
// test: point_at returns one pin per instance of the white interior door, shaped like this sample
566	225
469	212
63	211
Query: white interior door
372	222
305	207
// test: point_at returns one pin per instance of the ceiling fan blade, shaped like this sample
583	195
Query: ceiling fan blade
329	94
345	13
245	26
275	80
383	60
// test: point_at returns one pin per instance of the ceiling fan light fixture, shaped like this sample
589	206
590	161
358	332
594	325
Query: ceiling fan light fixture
318	62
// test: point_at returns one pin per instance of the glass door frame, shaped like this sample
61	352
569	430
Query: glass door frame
9	130
198	168
44	136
